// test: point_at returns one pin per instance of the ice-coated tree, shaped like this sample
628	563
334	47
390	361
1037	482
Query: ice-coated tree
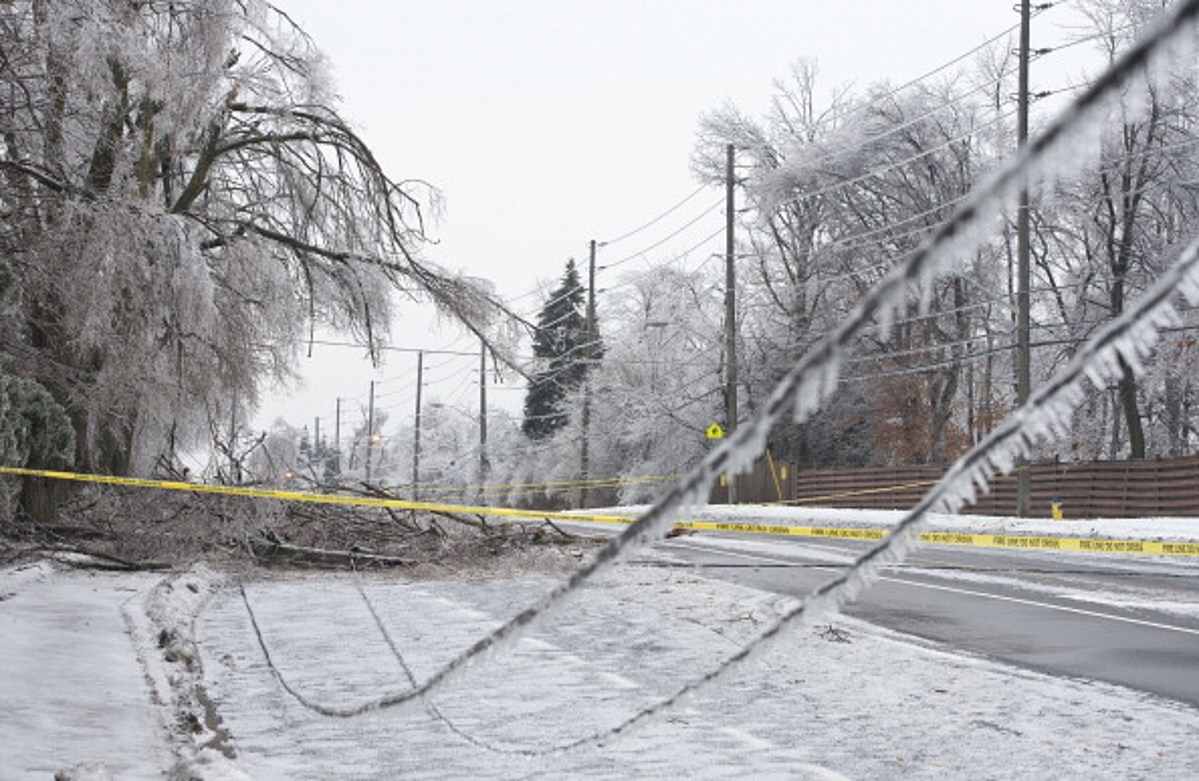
786	296
851	188
180	202
918	155
565	347
660	385
839	194
1114	222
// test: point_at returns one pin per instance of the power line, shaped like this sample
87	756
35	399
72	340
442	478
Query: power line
393	349
961	57
663	240
890	93
655	220
892	166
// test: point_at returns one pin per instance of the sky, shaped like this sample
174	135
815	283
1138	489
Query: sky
548	123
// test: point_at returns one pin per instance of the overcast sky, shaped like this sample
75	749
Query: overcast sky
547	123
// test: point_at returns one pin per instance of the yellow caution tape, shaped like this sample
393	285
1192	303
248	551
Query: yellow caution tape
302	496
1010	541
558	486
860	492
1022	542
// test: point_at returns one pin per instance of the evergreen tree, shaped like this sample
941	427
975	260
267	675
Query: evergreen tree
566	347
35	432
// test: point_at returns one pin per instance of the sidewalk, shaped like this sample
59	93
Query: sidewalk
72	691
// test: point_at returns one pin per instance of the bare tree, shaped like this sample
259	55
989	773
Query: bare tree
852	189
1117	218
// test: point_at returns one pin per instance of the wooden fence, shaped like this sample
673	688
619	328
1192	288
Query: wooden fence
1098	489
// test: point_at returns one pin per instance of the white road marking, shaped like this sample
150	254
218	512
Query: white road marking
748	738
613	679
537	642
1049	605
968	592
618	681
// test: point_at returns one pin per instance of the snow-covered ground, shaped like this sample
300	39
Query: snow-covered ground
839	699
1156	529
71	688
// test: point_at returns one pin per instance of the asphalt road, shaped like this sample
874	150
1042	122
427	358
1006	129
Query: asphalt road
1054	613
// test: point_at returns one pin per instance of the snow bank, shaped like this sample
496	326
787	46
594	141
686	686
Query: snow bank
1164	529
162	624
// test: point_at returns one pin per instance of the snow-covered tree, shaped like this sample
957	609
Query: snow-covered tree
180	203
660	385
1114	222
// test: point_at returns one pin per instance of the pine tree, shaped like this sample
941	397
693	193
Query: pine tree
566	347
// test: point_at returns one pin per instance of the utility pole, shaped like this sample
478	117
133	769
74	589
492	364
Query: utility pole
317	471
337	436
1023	272
370	429
420	381
730	312
483	465
588	352
234	476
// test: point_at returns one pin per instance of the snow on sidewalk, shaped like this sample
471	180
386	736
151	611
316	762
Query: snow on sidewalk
71	689
831	701
849	699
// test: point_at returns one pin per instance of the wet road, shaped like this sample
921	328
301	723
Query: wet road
1125	620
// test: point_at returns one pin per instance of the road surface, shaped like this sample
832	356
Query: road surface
1118	619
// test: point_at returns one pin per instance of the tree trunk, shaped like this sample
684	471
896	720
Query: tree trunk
1132	413
40	499
1127	387
1175	421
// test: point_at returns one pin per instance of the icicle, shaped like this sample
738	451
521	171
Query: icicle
1003	459
1189	287
979	477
